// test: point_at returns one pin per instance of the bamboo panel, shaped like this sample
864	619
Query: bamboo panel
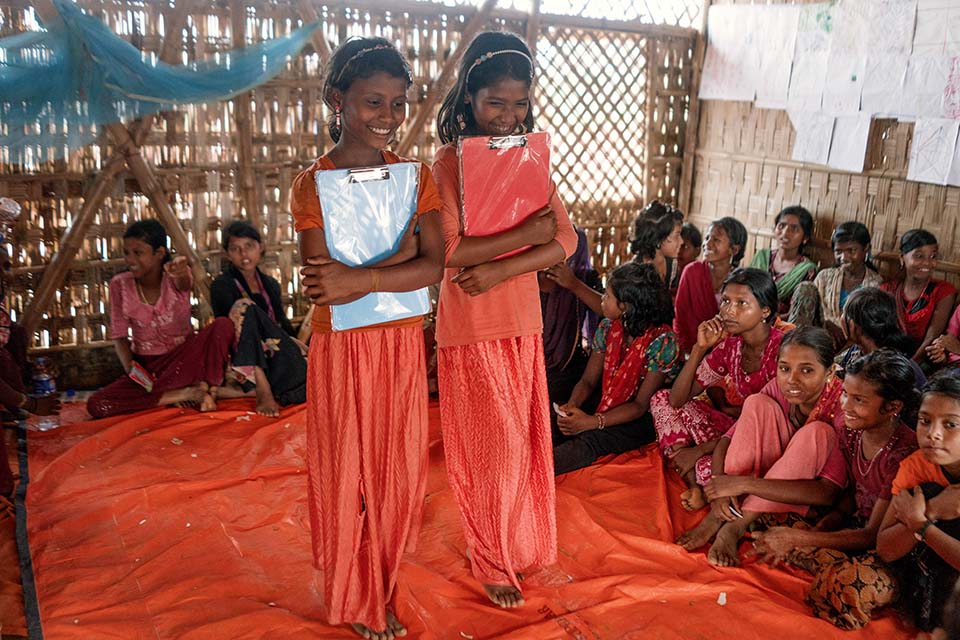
597	83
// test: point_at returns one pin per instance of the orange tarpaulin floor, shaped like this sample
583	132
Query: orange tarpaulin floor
176	524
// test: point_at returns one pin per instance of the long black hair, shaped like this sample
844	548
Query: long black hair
151	232
874	311
813	338
641	290
945	383
761	286
649	234
359	58
892	376
239	229
916	238
455	117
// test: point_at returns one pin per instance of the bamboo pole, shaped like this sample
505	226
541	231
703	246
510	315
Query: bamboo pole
688	166
151	187
533	34
244	132
319	40
439	85
651	101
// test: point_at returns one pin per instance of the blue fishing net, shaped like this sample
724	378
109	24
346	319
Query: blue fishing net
57	87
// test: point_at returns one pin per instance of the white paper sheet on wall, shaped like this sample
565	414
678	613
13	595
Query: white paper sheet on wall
932	150
924	86
844	83
848	148
731	68
883	81
777	38
938	27
891	26
807	79
814	131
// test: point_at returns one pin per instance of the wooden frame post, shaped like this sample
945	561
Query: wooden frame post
688	164
439	85
242	114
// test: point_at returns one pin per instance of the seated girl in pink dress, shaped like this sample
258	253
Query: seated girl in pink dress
849	579
781	456
735	356
698	293
151	331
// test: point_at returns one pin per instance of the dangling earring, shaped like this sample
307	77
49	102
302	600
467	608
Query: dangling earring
336	117
461	122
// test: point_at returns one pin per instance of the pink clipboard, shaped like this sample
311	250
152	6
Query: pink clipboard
502	181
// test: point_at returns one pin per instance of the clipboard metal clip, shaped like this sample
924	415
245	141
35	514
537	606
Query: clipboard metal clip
508	142
368	174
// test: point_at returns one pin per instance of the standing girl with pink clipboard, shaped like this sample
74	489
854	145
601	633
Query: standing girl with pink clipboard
493	387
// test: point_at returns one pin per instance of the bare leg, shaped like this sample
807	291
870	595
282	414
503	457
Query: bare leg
724	551
186	396
266	403
233	390
700	534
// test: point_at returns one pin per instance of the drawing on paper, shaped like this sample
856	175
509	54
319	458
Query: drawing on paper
932	150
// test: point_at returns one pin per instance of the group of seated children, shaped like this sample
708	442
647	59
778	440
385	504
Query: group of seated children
786	400
247	350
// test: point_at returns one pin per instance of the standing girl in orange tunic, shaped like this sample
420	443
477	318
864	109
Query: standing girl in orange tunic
493	386
366	387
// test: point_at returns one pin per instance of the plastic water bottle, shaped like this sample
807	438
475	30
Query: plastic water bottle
45	384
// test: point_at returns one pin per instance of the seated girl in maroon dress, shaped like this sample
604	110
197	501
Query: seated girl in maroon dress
150	324
735	356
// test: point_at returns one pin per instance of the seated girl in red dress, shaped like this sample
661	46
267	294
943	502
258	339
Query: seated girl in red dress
735	356
150	324
923	302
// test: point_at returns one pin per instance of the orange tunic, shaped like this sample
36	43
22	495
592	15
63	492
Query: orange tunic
366	442
511	308
493	406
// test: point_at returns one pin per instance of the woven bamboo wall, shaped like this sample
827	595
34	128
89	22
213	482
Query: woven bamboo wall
615	98
743	168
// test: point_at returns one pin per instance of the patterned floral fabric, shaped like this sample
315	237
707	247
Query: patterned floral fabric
625	366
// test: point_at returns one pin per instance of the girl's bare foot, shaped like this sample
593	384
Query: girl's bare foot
723	552
395	625
693	499
505	596
266	403
209	400
700	534
267	406
366	632
186	397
